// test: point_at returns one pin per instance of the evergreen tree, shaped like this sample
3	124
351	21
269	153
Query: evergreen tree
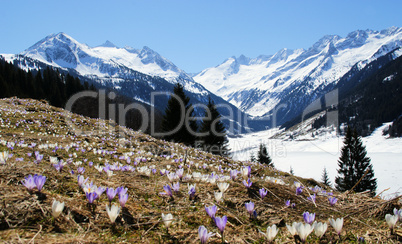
252	158
214	139
178	123
325	178
291	171
263	156
353	165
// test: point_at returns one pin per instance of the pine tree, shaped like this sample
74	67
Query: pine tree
353	165
214	132
178	123
263	156
291	171
325	178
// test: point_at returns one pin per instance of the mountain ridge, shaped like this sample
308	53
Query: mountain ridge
264	84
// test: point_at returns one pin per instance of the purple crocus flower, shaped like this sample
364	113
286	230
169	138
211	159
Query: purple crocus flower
29	183
299	190
233	174
59	166
179	173
91	196
80	170
287	203
100	190
110	193
39	181
168	191
312	198
191	192
308	217
121	190
332	200
211	211
221	223
263	192
204	235
81	180
153	171
176	187
247	183
123	199
250	208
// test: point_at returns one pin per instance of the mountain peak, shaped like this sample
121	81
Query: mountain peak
107	44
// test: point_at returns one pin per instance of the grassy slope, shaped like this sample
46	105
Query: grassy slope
26	216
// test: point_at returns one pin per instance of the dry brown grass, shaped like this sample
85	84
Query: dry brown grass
26	218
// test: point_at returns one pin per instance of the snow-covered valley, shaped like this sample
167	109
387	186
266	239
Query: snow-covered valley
308	158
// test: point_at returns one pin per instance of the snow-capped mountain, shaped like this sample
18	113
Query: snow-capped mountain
295	78
104	61
134	73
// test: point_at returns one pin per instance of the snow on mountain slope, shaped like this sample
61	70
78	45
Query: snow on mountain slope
308	156
258	85
106	61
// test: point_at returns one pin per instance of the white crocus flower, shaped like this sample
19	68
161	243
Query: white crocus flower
391	220
98	168
57	208
167	219
320	229
218	196
109	173
223	186
337	224
303	230
272	231
172	177
292	228
113	212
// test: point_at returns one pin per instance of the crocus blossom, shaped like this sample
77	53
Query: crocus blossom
176	187
221	223
223	186
167	219
391	220
211	211
247	183
123	199
203	234
398	213
304	230
263	193
39	181
113	212
218	196
308	217
332	200
57	208
337	224
312	198
272	231
110	193
81	180
292	228
299	190
29	183
250	208
320	229
91	196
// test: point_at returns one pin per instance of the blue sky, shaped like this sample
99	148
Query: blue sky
193	34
